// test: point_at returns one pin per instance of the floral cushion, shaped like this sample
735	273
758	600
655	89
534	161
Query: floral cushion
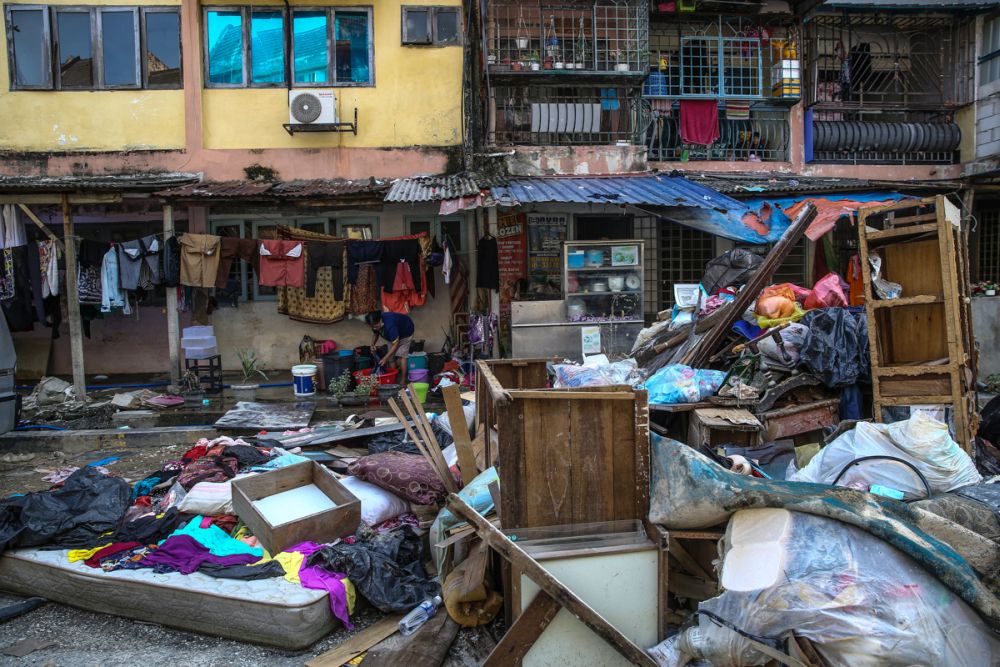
408	476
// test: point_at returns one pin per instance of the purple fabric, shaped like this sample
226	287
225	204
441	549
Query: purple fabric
323	580
184	554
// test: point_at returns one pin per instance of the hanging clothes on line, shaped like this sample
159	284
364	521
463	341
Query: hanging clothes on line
199	260
139	263
699	122
90	258
323	308
325	253
112	295
11	228
171	256
487	264
18	309
282	263
232	249
398	257
48	253
361	253
7	274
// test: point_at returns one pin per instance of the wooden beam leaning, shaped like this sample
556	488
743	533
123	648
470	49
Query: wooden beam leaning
549	584
73	303
460	432
42	226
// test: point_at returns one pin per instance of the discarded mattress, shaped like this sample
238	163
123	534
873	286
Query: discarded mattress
266	611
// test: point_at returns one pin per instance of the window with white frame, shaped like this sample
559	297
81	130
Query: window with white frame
431	26
330	46
357	228
93	48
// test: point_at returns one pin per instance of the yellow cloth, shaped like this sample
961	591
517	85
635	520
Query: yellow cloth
83	554
352	595
291	561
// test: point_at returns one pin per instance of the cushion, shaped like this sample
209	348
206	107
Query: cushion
377	504
408	476
208	499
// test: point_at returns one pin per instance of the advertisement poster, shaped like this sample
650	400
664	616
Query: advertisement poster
546	232
512	258
591	339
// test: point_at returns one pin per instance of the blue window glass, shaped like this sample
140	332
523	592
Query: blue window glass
351	38
118	48
267	42
225	47
309	41
30	60
76	57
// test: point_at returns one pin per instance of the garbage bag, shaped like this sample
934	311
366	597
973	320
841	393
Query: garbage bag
625	371
836	349
776	302
89	504
386	570
860	601
921	440
733	267
828	292
678	383
792	338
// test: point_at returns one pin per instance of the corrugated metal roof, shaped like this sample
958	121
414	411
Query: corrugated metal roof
754	186
319	188
433	188
645	190
104	183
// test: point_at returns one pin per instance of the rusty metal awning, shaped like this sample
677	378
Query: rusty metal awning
369	189
149	182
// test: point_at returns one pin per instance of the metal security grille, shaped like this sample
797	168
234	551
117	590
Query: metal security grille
891	61
988	255
746	135
885	137
683	255
795	267
556	116
605	36
646	228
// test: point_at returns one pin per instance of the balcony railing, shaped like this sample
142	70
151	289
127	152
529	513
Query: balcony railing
839	137
568	38
545	116
744	135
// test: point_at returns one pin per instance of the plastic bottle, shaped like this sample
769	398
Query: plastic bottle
420	615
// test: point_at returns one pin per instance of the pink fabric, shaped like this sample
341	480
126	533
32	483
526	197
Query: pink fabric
319	579
699	121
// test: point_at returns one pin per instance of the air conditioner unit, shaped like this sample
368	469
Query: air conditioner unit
312	106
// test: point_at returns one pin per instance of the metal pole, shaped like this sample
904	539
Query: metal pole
173	325
73	303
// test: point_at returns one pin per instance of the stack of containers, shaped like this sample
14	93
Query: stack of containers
199	342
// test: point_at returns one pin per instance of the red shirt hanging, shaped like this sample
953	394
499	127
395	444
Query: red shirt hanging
282	264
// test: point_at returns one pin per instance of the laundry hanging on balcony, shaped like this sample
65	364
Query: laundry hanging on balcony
699	122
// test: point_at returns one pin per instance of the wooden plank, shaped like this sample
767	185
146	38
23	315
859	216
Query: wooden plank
357	644
554	395
520	560
591	457
73	303
460	432
511	468
910	219
475	570
41	225
619	455
427	647
548	483
908	301
909	371
485	375
173	316
642	454
882	234
687	560
925	399
521	636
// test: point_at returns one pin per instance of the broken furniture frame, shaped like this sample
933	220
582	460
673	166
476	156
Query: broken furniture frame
921	343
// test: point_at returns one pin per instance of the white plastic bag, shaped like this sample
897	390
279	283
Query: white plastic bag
860	601
920	440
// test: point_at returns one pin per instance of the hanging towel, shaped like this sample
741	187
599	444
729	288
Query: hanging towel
738	109
699	122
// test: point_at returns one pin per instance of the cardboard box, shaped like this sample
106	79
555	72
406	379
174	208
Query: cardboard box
322	526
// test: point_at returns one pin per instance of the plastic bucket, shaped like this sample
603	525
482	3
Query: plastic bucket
417	360
304	379
388	377
421	389
418	375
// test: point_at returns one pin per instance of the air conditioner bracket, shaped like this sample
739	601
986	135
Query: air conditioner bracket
325	127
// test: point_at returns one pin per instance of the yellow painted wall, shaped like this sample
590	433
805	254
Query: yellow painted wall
416	99
89	120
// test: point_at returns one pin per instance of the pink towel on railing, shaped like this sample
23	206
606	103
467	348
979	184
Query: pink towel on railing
699	121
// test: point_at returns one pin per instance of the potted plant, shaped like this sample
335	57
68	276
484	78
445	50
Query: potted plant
620	57
533	63
522	30
191	390
363	390
250	367
547	64
339	386
517	66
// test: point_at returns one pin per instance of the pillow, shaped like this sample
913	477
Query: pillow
408	476
377	504
208	499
